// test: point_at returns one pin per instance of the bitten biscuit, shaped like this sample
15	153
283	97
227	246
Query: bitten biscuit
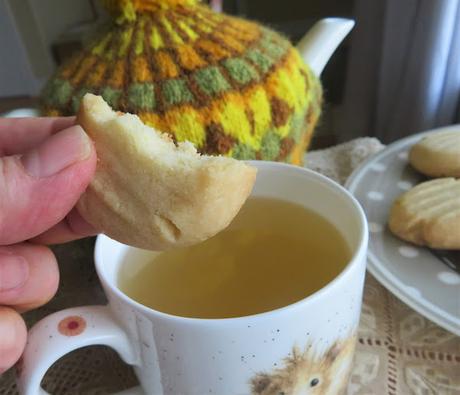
149	193
437	155
429	214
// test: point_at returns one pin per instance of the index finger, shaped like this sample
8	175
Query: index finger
18	135
72	227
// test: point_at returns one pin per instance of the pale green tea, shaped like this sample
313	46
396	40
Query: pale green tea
273	254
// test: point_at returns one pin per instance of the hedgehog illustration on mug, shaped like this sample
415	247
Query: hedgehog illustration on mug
306	371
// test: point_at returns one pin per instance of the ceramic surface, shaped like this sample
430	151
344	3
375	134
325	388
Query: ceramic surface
416	275
303	348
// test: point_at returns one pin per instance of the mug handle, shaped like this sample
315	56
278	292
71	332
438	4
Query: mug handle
63	332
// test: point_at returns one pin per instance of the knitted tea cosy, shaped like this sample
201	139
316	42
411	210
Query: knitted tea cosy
230	86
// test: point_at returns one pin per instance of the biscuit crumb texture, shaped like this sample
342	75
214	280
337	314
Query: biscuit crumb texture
149	192
429	214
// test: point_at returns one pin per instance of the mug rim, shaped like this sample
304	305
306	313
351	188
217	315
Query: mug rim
358	253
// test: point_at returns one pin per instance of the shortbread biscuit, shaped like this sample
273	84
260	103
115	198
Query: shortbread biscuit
149	192
429	214
437	155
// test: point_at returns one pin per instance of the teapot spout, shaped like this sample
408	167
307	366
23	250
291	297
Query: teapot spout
319	43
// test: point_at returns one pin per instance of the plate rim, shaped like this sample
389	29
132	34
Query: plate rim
375	266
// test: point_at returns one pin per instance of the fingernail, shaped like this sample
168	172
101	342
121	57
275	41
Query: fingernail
61	150
14	271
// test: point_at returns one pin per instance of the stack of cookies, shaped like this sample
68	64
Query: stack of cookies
429	213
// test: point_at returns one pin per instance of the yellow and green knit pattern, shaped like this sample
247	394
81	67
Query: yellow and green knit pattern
230	86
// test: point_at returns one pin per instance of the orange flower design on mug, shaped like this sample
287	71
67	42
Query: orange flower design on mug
72	325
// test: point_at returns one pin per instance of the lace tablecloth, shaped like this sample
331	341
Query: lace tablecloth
399	351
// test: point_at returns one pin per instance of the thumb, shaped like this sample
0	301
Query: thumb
39	188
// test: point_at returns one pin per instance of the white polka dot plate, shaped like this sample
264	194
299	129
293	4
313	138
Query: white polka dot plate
418	276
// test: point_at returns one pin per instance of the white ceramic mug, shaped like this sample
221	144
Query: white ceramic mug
306	347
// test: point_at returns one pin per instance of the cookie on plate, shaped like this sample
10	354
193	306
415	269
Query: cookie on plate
429	214
437	155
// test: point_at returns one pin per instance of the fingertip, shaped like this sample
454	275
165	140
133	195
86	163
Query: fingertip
44	273
31	205
13	336
66	148
43	277
79	225
18	135
73	227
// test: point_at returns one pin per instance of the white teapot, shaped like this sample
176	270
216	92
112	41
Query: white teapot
320	42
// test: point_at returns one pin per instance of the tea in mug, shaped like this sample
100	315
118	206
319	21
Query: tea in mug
274	253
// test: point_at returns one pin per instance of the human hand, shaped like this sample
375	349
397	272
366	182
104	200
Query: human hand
45	165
